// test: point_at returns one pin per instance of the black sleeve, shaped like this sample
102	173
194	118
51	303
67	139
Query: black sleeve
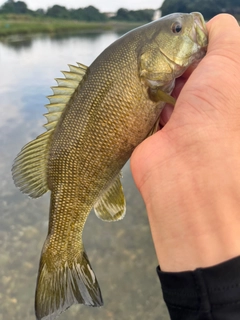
204	294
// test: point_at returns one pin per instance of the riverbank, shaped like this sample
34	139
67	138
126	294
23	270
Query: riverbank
26	25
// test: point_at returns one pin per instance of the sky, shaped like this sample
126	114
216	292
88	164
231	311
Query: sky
102	5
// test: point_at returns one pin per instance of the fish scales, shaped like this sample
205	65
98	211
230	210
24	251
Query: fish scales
97	116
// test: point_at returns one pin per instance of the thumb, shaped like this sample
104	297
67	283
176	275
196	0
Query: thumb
211	93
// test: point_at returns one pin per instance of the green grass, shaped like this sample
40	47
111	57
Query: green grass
27	25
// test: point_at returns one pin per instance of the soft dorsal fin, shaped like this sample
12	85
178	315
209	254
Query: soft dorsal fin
112	205
29	168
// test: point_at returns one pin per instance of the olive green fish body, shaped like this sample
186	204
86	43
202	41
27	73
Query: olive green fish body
109	116
97	116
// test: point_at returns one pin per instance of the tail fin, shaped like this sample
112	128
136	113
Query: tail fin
60	287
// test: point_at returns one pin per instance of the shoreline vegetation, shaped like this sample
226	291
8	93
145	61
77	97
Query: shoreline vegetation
25	25
17	20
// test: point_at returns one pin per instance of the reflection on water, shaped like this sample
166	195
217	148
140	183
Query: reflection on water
121	253
19	43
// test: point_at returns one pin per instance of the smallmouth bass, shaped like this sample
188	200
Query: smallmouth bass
96	117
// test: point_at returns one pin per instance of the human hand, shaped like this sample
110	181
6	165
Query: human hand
189	172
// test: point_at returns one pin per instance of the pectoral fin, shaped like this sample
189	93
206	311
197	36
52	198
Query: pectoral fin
112	205
158	95
166	97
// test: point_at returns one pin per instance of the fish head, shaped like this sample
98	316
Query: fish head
173	44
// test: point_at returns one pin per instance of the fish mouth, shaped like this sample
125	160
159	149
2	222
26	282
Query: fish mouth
199	36
199	32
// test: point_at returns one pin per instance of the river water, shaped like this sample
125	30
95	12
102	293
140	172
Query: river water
122	253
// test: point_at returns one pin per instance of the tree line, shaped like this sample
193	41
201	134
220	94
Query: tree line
89	13
209	8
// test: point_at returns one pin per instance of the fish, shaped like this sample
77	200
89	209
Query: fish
97	115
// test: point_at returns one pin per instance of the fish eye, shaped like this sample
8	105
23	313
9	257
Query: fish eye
176	27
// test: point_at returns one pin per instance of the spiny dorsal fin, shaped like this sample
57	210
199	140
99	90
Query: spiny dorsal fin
63	93
112	205
29	168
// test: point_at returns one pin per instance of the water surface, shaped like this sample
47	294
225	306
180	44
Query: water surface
121	253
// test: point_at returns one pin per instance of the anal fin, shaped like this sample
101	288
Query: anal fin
112	204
